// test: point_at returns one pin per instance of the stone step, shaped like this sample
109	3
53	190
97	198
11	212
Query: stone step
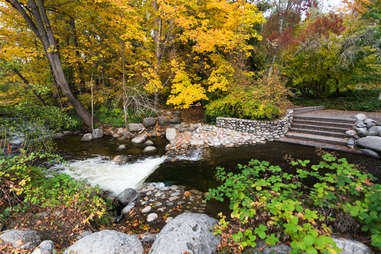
319	132
307	109
322	123
325	119
315	127
317	138
318	144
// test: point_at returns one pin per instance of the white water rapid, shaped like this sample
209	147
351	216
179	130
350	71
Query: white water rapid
109	175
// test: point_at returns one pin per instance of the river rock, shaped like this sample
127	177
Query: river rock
120	159
67	133
175	120
106	242
148	143
135	127
360	117
351	247
351	142
351	133
45	247
149	122
151	217
362	132
187	233
127	196
27	239
146	209
170	134
370	142
374	131
128	208
148	237
149	149
97	133
163	121
58	135
122	147
87	137
139	139
370	153
369	122
263	248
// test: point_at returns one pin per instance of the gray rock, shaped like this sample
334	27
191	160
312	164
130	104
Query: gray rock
139	139
351	133
263	248
127	196
146	209
351	247
135	127
374	131
58	135
163	121
97	133
128	208
120	159
175	120
188	232
360	117
149	149
370	142
360	124
370	153
148	237
106	242
27	239
87	137
151	217
351	142
45	247
362	132
84	234
149	122
67	133
122	147
170	134
369	122
197	142
148	143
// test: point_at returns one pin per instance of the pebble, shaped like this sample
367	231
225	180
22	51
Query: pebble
151	217
146	209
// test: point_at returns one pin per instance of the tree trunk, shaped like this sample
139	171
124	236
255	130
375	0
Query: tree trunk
379	96
35	16
157	34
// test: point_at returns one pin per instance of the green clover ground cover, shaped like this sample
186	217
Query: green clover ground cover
302	207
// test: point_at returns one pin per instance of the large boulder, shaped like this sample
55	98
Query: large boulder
97	133
163	121
106	242
351	247
370	142
45	247
27	239
170	134
149	122
87	137
127	196
139	139
135	127
187	233
369	122
362	132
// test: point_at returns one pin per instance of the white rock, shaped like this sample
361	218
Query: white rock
146	209
87	137
170	134
149	149
360	117
151	217
97	133
139	139
45	247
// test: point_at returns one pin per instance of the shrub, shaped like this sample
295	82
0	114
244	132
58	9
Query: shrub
115	115
261	100
297	206
23	182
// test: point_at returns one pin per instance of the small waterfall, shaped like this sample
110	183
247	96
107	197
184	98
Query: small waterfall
109	175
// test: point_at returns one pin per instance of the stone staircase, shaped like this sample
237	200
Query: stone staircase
319	132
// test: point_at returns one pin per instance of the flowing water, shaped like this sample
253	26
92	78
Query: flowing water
93	161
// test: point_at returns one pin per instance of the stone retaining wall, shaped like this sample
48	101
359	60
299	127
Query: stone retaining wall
268	129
